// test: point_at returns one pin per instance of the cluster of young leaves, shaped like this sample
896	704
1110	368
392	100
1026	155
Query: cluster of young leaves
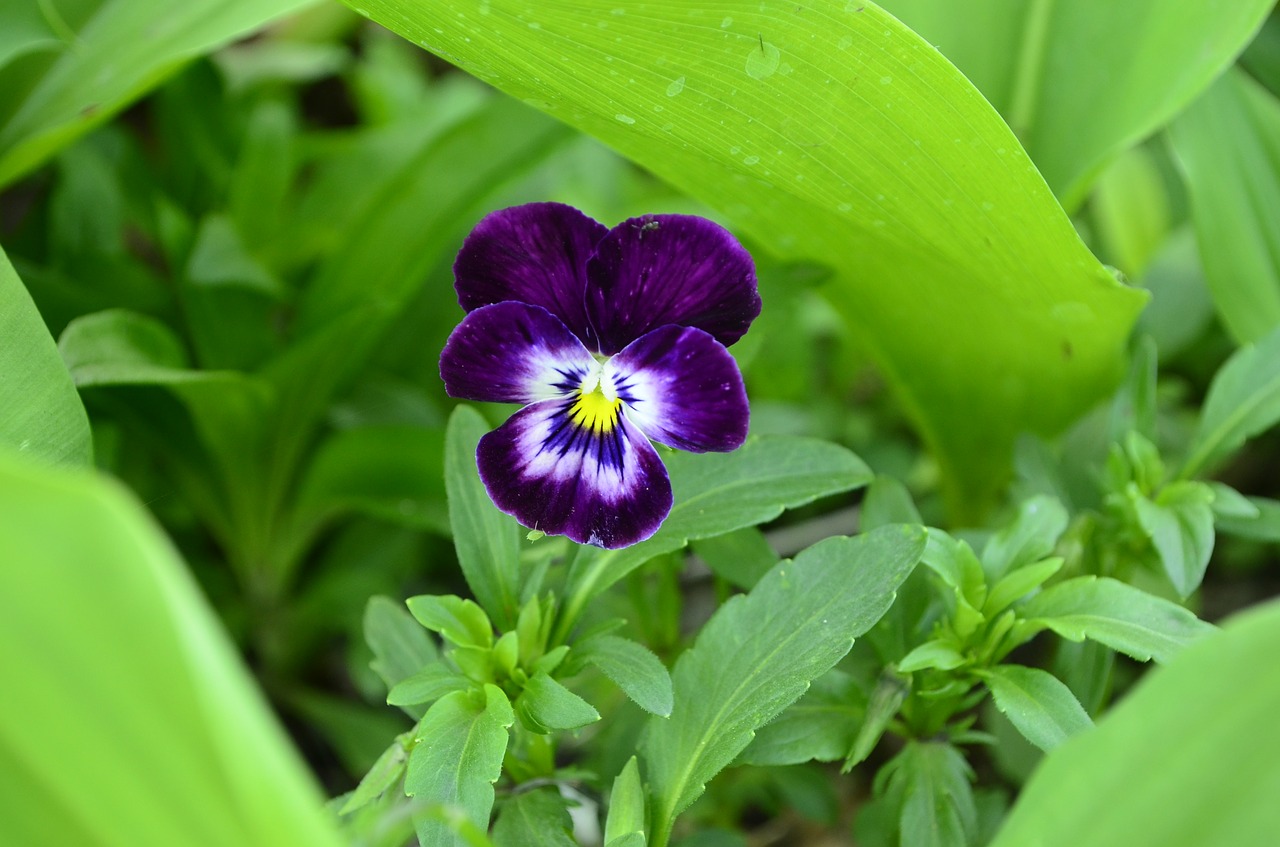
492	707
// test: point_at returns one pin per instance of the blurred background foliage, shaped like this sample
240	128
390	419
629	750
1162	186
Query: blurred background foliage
238	221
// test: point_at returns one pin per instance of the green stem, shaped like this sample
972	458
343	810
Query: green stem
1029	70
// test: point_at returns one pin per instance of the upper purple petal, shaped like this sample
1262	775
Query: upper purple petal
512	353
603	487
536	253
669	269
682	388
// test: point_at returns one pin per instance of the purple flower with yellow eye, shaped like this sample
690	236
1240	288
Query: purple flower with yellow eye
610	337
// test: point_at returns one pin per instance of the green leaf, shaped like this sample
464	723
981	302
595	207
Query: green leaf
887	501
940	655
457	757
1243	401
891	690
626	805
488	542
1131	210
426	685
546	705
632	668
457	620
401	647
383	774
741	557
40	413
1019	584
1263	527
1037	703
1188	731
1180	525
1228	146
105	631
1081	81
829	134
760	651
106	65
954	561
820	726
1120	616
1031	537
535	818
930	781
717	493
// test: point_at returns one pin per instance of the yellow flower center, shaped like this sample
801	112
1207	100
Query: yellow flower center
597	404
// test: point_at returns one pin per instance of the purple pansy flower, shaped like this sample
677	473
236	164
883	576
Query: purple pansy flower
610	337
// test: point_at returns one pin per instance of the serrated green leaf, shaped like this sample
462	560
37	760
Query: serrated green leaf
426	685
546	705
457	620
626	806
1037	703
829	133
488	542
1243	401
42	415
1020	583
381	776
457	758
1120	616
1030	538
820	726
1081	81
105	65
537	818
633	668
1157	744
760	651
717	493
1180	525
1228	145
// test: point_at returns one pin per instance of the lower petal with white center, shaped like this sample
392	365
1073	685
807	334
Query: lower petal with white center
584	473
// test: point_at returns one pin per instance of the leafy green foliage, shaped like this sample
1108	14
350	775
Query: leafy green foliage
1040	706
829	133
1157	744
42	416
626	816
761	651
632	668
535	818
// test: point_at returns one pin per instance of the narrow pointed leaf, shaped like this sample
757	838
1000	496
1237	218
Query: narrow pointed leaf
1037	703
633	668
626	805
831	133
546	705
401	646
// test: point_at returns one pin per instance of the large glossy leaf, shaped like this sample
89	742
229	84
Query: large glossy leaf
759	653
122	50
40	413
1228	144
127	717
1080	81
1182	761
830	132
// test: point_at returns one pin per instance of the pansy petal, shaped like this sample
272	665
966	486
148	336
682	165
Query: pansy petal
512	353
536	253
605	487
683	389
670	269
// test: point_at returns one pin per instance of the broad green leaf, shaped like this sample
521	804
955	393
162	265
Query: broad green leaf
546	705
1032	536
887	501
488	542
831	133
1228	145
426	685
1179	523
930	783
820	726
761	651
401	647
1118	615
1037	703
381	776
456	759
1243	401
1179	762
121	51
457	620
626	805
1132	211
717	493
1083	80
40	413
740	557
955	562
632	668
105	631
537	818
